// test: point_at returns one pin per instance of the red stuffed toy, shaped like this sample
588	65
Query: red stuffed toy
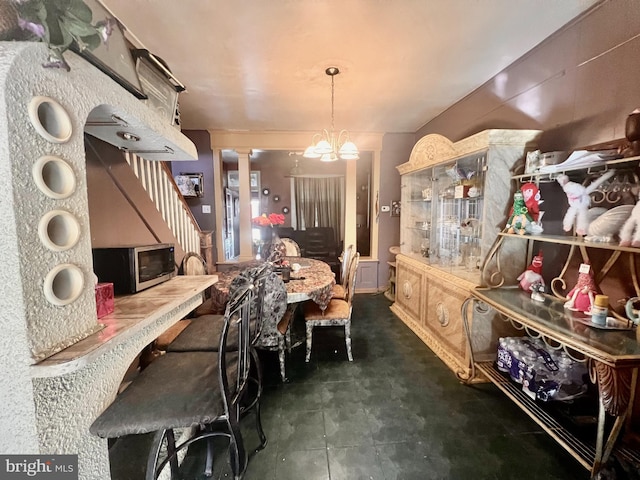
532	200
532	275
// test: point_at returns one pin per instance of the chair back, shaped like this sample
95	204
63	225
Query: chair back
347	256
234	365
292	249
273	306
351	283
269	303
193	264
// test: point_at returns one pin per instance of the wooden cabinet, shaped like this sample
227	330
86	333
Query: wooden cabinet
454	197
410	290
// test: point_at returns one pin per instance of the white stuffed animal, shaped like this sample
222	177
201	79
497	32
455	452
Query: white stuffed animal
630	231
579	202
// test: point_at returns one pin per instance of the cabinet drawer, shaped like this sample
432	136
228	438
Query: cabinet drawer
443	318
410	289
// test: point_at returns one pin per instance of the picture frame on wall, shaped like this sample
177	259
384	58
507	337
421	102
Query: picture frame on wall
190	184
233	180
113	57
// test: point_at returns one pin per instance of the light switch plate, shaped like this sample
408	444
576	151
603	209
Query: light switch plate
206	208
385	208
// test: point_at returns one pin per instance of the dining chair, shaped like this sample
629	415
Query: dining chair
292	248
271	305
337	313
340	289
202	391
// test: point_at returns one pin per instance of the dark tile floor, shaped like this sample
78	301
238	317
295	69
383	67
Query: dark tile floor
395	413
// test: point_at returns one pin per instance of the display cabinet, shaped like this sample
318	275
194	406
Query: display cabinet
454	202
610	352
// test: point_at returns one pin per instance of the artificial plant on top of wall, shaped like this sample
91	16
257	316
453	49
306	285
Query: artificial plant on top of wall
60	24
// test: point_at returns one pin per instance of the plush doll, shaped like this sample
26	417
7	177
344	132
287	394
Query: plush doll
579	202
532	201
519	218
580	298
532	275
630	231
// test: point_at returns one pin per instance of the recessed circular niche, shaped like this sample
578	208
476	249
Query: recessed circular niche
50	119
63	285
285	210
58	230
54	177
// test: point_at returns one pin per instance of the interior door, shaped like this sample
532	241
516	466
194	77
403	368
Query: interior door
232	227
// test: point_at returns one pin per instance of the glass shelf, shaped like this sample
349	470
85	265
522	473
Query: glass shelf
568	240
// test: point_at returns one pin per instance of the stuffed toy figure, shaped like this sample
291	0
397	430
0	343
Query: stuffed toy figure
532	200
630	231
532	276
519	217
579	201
580	298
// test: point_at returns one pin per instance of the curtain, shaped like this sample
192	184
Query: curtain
319	202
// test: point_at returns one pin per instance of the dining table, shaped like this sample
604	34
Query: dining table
313	280
309	279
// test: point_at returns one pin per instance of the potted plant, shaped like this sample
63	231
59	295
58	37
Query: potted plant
60	24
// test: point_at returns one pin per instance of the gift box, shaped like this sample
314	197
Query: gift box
104	299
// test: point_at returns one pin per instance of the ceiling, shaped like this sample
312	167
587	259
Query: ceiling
258	65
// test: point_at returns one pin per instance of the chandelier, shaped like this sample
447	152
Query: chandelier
328	146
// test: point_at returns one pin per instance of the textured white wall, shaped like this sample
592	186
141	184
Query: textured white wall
52	415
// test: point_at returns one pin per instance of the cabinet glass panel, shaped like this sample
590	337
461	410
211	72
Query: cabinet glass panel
457	227
417	195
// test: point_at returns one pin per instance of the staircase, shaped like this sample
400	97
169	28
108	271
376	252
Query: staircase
157	179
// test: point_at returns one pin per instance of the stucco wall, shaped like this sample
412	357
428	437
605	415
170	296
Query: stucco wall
52	414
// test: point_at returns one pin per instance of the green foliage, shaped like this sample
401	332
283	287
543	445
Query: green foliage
60	24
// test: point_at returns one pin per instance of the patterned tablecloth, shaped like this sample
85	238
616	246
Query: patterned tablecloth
314	281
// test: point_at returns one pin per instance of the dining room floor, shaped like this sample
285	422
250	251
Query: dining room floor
395	413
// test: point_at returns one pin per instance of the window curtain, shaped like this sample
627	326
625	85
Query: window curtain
319	202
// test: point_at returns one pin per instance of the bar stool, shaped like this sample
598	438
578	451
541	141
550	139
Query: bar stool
201	390
271	305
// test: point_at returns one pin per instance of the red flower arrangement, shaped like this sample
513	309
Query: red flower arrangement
268	221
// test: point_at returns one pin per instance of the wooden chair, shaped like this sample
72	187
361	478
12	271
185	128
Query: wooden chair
340	289
292	248
337	313
189	390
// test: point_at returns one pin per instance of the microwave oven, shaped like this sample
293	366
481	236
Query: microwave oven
134	268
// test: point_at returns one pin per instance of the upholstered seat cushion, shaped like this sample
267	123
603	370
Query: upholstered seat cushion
338	292
170	334
336	310
203	334
178	390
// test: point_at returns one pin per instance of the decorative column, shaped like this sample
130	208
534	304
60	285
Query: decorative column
244	180
351	191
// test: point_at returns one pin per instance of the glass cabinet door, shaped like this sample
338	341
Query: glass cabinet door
457	227
417	196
